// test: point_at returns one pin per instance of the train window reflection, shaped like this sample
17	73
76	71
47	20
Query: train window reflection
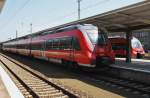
136	43
93	37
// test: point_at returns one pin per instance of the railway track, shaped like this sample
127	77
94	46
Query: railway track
131	86
33	85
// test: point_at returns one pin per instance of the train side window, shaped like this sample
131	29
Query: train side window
76	44
61	44
39	46
27	46
68	45
49	44
36	46
18	46
56	44
32	46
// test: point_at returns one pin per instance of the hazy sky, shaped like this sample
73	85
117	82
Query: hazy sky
19	14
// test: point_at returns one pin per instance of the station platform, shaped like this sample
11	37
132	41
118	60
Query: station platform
3	91
8	89
136	64
137	70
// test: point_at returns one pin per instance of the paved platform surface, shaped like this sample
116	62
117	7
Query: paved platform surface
12	89
136	64
3	91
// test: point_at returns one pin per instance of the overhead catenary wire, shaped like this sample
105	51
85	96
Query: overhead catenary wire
3	26
75	12
72	13
82	9
6	24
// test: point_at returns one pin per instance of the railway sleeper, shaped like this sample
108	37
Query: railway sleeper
33	82
21	87
60	94
39	85
49	89
48	92
140	86
65	96
40	89
30	82
28	77
29	96
26	94
44	90
146	88
24	91
43	87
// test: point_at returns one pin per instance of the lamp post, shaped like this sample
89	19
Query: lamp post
79	9
31	28
16	34
30	37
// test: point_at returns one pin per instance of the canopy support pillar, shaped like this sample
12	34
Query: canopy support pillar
128	48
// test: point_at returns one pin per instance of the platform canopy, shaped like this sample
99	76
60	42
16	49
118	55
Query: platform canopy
1	4
131	17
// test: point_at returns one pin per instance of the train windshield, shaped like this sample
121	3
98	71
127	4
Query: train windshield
119	46
98	38
102	39
93	37
136	43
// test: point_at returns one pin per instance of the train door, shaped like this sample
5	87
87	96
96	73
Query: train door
72	51
30	46
74	47
43	46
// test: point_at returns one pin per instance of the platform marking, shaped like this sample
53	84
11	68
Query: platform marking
12	89
134	60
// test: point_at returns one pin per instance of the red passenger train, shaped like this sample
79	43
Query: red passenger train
83	45
119	45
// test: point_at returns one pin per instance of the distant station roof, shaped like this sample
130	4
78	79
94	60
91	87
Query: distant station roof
1	4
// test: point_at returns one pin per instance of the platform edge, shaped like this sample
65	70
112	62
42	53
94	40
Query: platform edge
12	89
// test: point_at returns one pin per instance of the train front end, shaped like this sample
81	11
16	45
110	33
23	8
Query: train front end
101	53
103	50
137	48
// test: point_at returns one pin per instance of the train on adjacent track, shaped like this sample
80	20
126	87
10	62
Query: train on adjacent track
119	45
78	45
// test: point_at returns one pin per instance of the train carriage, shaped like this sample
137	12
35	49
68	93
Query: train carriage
81	45
119	45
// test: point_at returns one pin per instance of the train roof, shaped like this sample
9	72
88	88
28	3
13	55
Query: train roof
50	31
